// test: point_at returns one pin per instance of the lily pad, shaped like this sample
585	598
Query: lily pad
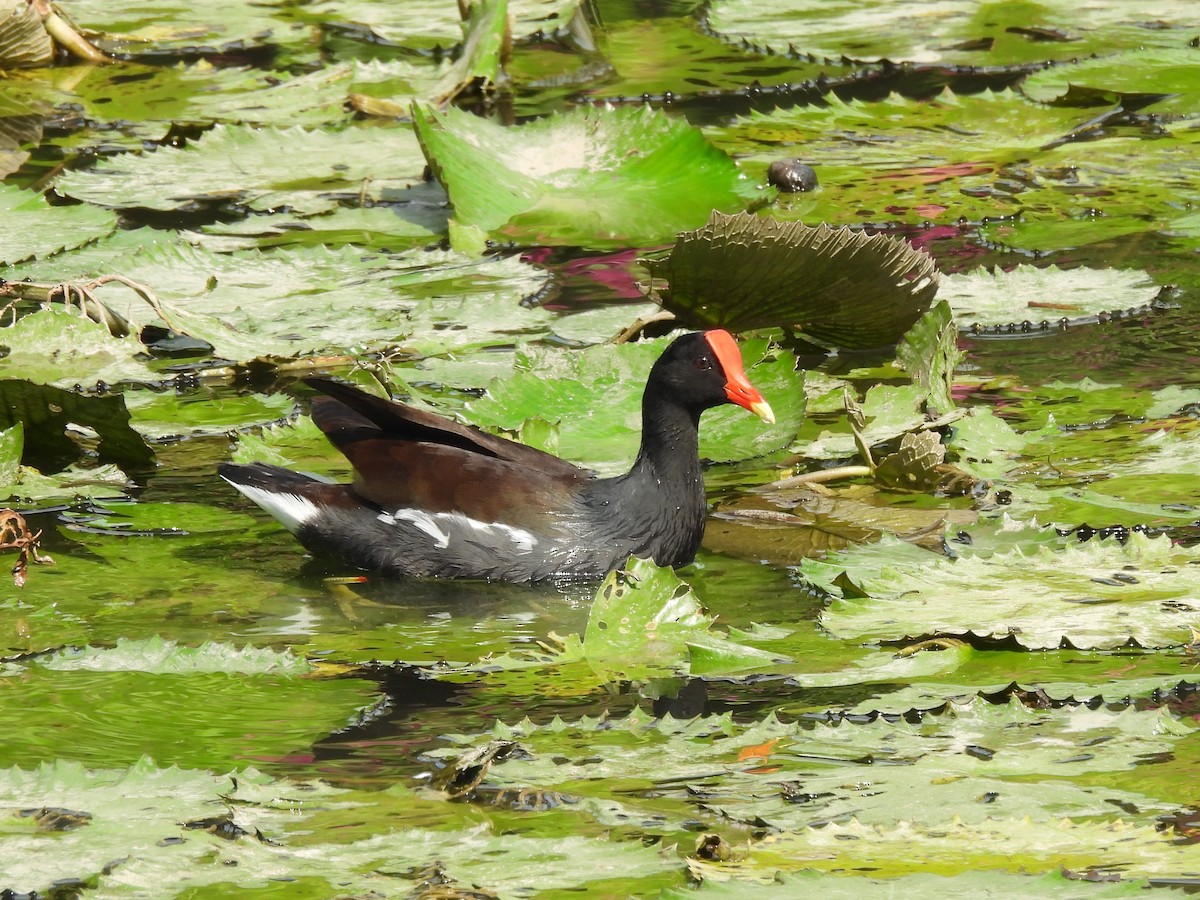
176	25
286	303
431	23
1100	594
645	620
595	398
33	228
1168	73
840	287
1029	293
950	32
589	177
306	171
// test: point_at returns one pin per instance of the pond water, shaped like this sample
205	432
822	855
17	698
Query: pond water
192	706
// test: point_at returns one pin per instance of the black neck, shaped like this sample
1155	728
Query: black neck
664	490
670	449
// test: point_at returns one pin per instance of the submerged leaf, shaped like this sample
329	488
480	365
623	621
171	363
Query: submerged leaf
839	287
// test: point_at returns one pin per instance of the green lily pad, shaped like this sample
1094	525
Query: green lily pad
645	620
929	353
33	228
1004	845
1100	594
594	396
431	23
307	171
989	155
1169	72
161	657
889	411
793	776
590	177
307	300
176	25
418	217
1028	293
952	32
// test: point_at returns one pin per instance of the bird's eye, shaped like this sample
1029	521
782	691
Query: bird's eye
703	363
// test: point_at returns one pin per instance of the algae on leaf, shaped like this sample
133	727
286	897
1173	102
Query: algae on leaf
590	177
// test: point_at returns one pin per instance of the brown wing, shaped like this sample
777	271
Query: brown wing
404	457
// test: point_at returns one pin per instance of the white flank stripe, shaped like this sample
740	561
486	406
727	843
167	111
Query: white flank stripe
291	510
422	521
437	526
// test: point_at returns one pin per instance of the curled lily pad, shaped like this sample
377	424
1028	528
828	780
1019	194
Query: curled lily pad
23	38
840	287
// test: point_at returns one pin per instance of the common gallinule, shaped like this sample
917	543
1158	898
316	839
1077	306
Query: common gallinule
433	497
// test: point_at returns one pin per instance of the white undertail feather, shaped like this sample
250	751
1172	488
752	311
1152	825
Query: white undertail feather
291	510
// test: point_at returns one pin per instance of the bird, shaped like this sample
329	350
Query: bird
435	498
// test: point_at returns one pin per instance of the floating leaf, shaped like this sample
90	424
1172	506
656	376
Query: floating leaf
592	177
161	657
284	303
58	348
1169	73
951	32
793	776
984	444
987	297
1099	594
842	288
644	621
33	228
177	26
889	411
427	24
307	171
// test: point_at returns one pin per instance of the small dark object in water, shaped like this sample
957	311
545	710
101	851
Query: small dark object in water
791	176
